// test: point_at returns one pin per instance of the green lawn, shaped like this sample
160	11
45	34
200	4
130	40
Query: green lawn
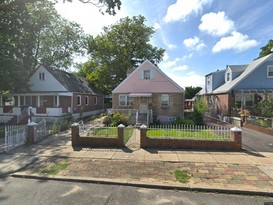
173	133
111	133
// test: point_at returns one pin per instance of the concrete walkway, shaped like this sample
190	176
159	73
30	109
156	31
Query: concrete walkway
233	172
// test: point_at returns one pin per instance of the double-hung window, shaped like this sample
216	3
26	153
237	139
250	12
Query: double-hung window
125	100
146	74
165	101
270	71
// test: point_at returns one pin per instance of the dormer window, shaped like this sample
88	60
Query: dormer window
146	74
42	76
208	80
270	71
228	77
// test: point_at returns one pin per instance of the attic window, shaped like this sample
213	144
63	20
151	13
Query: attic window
42	76
146	74
270	71
228	77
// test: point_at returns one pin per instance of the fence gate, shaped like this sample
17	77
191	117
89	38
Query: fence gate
134	141
40	131
15	136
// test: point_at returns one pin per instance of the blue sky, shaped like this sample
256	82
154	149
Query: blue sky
199	36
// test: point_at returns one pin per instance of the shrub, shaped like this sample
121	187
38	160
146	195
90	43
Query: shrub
182	121
116	119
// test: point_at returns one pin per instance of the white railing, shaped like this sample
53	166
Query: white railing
81	127
15	136
104	132
195	132
40	131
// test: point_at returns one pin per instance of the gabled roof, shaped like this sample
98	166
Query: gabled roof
72	82
160	82
249	69
237	68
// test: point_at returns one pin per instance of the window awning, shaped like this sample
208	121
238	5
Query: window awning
140	94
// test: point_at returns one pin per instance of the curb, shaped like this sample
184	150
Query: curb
144	185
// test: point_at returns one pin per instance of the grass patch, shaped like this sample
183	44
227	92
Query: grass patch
54	169
111	132
127	134
173	133
182	176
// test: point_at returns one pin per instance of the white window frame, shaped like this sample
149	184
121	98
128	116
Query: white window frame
147	77
86	100
127	101
96	100
42	76
79	100
165	100
269	67
228	77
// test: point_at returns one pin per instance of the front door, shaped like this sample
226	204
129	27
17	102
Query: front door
143	105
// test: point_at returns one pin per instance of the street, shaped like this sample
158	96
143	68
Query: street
30	191
257	141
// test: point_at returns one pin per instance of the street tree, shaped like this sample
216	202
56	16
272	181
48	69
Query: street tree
119	47
34	33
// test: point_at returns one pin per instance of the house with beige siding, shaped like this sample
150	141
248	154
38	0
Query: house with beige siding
54	94
150	95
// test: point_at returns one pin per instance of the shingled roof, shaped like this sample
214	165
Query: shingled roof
72	82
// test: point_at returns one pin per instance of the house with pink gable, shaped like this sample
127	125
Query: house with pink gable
150	95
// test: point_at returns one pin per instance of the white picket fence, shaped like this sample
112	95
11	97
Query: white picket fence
190	132
15	136
40	131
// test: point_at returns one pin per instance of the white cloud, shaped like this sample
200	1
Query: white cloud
216	24
194	43
156	26
180	68
190	79
185	57
170	46
165	56
236	41
88	16
169	64
183	8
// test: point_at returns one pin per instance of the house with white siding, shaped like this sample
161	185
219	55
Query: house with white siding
53	94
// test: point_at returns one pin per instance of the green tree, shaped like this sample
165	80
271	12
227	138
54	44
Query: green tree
120	47
190	92
33	33
267	49
108	6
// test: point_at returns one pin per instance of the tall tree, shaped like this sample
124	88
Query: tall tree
32	34
108	6
267	49
190	92
120	47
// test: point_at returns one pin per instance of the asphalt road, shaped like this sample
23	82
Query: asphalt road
257	141
29	191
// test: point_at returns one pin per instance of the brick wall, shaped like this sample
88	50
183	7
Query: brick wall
85	141
235	144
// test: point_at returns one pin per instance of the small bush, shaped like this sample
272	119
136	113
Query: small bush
116	119
182	121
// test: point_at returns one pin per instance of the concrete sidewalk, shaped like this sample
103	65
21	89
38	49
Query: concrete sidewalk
232	172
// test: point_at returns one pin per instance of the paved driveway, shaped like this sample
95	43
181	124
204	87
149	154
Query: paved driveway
257	141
